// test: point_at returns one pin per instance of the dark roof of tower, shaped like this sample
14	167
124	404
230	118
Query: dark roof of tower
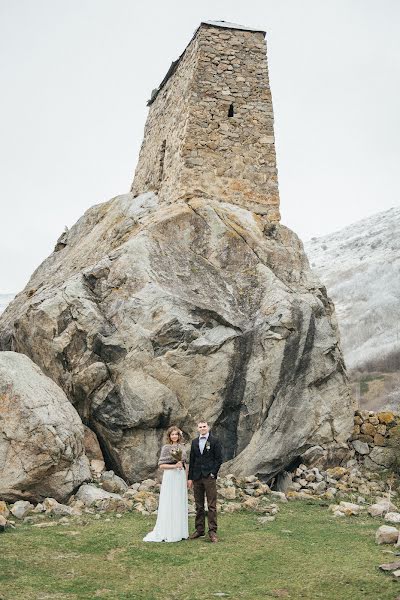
175	63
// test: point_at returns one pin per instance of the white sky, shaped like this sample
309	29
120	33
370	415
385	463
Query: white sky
75	77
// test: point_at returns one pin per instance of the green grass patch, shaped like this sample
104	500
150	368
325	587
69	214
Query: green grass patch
305	554
365	380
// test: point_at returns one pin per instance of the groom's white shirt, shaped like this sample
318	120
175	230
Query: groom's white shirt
203	441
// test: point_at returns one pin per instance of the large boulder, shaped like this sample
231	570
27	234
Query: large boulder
150	314
41	434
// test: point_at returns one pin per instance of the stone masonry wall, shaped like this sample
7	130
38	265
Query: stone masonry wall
376	438
160	160
209	153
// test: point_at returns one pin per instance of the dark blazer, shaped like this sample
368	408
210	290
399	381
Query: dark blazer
208	463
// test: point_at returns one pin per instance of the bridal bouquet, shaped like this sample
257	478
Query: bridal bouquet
177	454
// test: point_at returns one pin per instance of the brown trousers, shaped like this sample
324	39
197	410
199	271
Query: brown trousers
205	486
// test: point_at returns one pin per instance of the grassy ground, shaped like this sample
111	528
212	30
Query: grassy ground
305	554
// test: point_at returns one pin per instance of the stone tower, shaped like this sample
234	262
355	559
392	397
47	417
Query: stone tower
209	132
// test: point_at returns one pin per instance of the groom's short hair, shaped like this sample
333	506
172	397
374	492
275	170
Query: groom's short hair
202	421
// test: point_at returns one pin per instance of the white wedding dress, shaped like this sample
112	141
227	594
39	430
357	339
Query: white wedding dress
172	517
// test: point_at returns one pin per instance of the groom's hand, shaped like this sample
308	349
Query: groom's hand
190	484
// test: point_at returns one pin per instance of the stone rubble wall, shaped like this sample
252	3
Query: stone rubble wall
207	152
376	438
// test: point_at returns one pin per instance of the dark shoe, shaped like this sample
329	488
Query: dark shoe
195	535
213	537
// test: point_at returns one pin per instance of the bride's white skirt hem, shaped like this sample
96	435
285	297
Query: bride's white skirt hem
172	517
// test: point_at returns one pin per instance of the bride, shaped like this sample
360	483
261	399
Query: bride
172	516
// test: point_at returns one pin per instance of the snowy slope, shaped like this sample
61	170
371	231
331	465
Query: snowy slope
5	299
360	266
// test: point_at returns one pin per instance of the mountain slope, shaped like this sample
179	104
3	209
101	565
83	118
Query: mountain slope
360	266
5	299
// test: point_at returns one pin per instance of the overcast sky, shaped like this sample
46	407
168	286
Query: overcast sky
76	75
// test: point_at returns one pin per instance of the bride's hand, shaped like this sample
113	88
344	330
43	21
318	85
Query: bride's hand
179	465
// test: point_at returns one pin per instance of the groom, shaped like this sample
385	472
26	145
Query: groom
205	461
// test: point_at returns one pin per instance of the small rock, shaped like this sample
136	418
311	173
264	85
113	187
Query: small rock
336	472
53	507
390	566
4	512
379	440
280	496
386	417
229	493
360	447
381	508
21	508
112	483
392	517
232	507
268	519
251	503
349	508
251	479
386	535
97	466
147	485
89	494
261	490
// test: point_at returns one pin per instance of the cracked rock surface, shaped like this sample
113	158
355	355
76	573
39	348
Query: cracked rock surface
41	434
148	315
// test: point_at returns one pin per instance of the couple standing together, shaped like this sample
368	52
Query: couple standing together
201	474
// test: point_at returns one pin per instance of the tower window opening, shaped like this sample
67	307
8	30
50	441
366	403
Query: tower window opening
230	111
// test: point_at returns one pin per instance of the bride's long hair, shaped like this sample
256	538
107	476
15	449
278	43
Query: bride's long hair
171	430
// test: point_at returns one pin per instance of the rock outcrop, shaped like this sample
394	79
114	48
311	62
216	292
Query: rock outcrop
41	435
149	314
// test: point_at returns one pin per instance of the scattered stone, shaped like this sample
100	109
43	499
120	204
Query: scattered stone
279	495
386	535
52	507
360	447
381	508
268	519
229	493
21	509
386	417
251	479
89	494
4	511
392	517
112	483
147	485
3	523
97	467
390	566
336	472
349	508
251	503
232	507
